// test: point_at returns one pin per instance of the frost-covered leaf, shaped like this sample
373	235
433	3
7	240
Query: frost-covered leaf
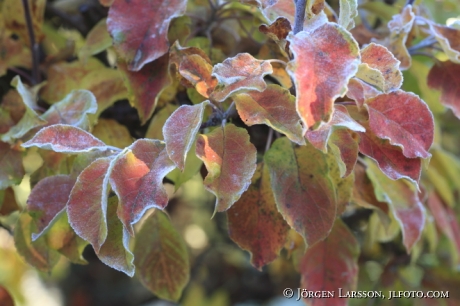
324	61
66	139
112	133
331	264
379	68
87	204
145	85
230	159
140	29
405	120
47	199
254	222
345	148
11	168
303	191
400	27
348	11
240	73
360	91
105	83
445	76
180	131
30	119
448	38
161	257
72	110
97	40
404	202
390	158
340	119
275	107
115	251
36	253
137	179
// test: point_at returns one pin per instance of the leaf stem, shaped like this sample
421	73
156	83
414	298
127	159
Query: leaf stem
230	111
427	42
300	7
116	149
269	140
33	44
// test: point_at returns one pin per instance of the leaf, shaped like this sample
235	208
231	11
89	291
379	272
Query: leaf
360	91
380	68
112	133
444	76
36	253
230	159
331	264
8	202
192	165
400	27
448	38
63	239
195	69
278	32
344	146
72	110
324	61
145	86
12	52
115	251
66	139
238	74
161	257
405	120
390	158
254	222
155	130
404	202
105	83
11	168
343	186
180	131
87	203
30	119
340	119
44	205
97	40
140	29
15	21
304	194
348	11
275	107
137	179
5	297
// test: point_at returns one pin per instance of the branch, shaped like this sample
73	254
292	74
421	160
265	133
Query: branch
33	44
300	7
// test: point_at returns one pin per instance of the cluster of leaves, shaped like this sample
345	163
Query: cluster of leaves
347	137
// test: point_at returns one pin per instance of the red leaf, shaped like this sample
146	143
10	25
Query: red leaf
360	91
137	179
390	158
66	139
340	118
254	222
445	76
344	144
331	265
161	257
87	205
240	73
324	61
404	202
405	120
303	191
145	86
5	297
380	68
275	107
140	29
11	168
180	131
230	159
8	203
115	251
47	199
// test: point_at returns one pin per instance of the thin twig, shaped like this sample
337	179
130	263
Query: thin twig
427	42
300	7
231	111
21	73
269	140
33	44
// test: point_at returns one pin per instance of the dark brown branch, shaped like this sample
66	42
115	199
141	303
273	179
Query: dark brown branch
33	44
